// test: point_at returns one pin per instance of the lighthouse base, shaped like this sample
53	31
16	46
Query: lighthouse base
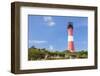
71	55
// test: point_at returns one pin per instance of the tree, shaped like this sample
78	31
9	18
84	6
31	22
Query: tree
82	54
33	46
35	54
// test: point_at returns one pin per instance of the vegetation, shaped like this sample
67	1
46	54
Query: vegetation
43	54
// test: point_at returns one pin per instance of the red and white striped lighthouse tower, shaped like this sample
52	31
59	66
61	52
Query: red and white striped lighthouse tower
70	38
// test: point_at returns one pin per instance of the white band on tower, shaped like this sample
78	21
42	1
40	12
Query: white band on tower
70	38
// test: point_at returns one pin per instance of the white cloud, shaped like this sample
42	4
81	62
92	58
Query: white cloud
37	41
47	18
51	47
50	22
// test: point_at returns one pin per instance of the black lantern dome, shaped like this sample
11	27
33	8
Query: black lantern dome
70	25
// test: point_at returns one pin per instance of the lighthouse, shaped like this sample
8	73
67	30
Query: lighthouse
70	37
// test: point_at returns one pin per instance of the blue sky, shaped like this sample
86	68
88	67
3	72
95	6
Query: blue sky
50	32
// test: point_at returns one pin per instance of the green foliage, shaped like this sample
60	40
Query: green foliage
43	54
35	54
82	54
